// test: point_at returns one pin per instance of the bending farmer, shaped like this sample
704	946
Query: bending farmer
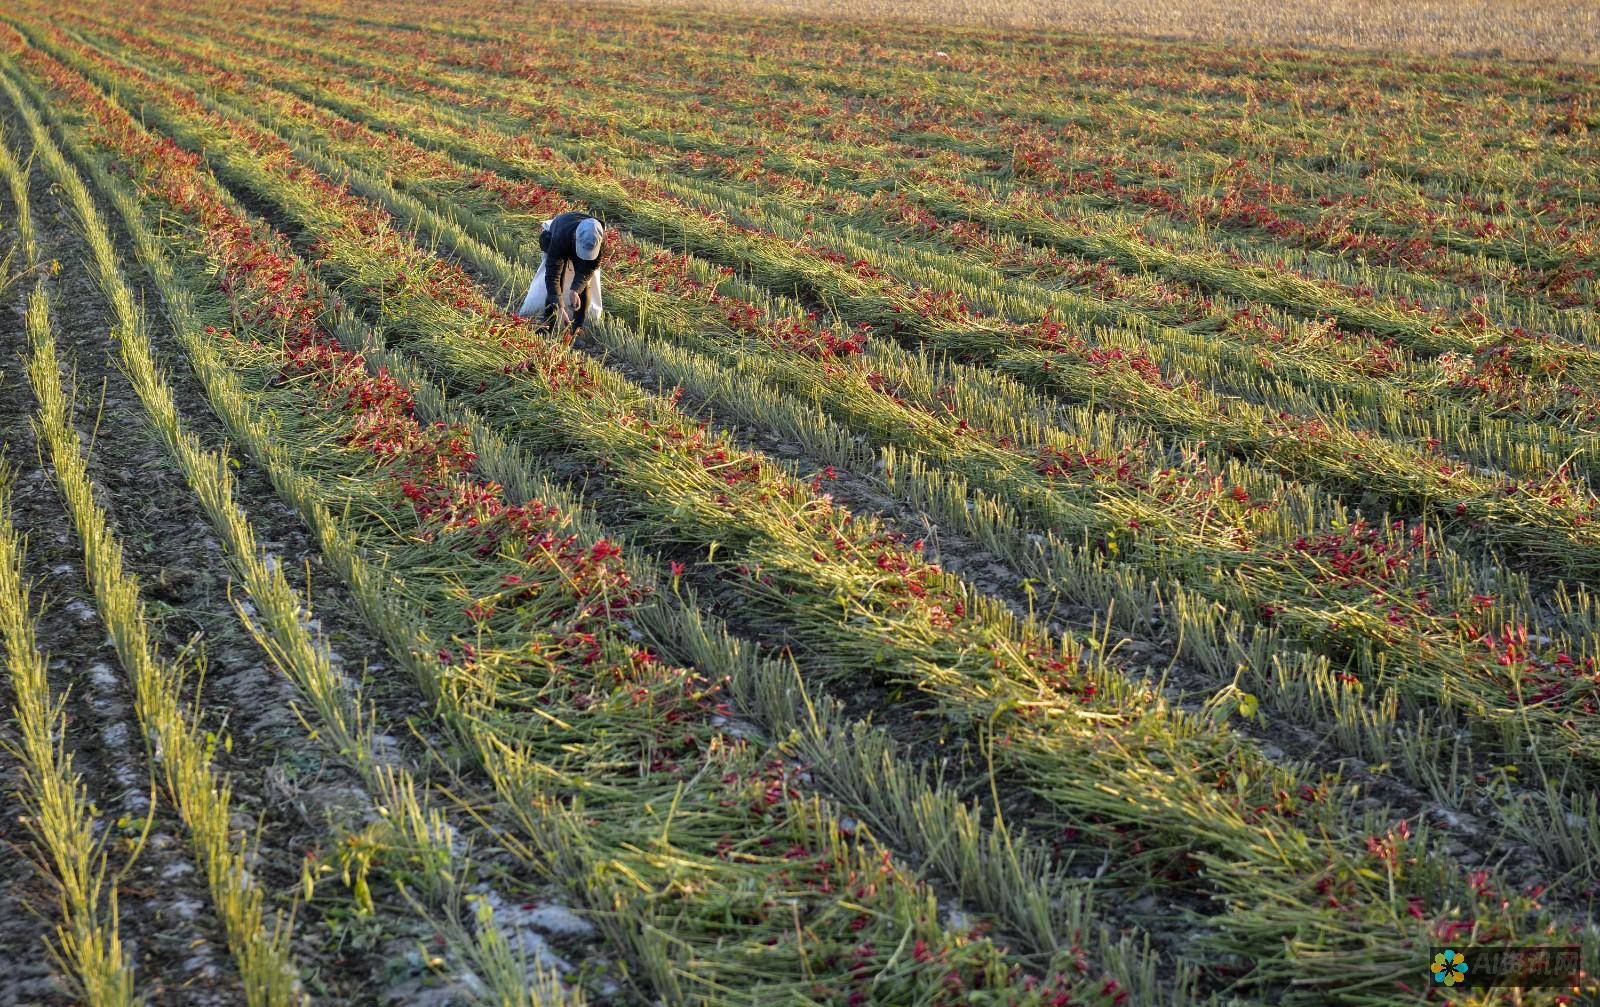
568	279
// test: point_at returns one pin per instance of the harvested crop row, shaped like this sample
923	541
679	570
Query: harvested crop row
133	839
697	799
56	800
417	836
268	974
1163	381
1404	256
65	822
1221	102
1426	684
403	304
1207	199
1517	376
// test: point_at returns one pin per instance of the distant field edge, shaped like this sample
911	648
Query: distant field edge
1562	30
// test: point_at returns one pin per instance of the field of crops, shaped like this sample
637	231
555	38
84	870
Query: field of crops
1044	520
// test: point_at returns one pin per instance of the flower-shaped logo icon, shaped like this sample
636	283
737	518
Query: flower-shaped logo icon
1449	968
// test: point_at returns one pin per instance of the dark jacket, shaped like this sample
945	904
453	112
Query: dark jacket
559	243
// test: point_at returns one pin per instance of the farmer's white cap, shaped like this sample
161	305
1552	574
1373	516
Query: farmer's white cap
588	238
